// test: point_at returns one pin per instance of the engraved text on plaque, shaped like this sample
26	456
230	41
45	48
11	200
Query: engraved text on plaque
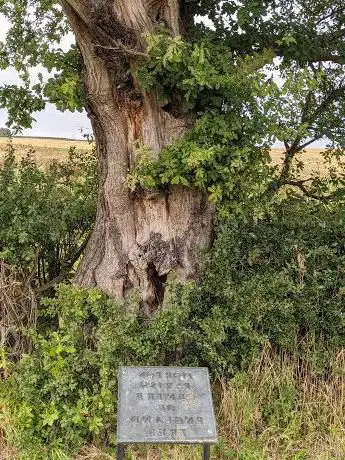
165	405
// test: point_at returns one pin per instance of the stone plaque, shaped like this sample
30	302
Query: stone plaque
165	405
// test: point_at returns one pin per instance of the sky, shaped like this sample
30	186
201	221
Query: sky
50	122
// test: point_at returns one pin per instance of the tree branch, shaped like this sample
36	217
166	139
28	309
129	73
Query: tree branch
295	147
286	144
332	96
120	47
67	265
308	193
290	155
311	141
329	15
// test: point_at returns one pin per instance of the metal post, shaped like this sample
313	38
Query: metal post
120	449
207	452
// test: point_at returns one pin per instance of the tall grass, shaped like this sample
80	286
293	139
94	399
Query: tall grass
280	409
283	409
7	432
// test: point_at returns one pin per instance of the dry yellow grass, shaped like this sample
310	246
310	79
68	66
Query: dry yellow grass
46	149
279	410
45	142
283	410
7	451
312	158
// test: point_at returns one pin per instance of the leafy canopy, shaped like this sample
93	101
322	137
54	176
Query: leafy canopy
301	32
252	72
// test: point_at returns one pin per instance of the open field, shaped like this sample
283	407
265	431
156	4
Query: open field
313	159
48	149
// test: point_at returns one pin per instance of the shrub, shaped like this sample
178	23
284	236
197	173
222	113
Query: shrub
46	219
278	279
46	215
63	394
5	132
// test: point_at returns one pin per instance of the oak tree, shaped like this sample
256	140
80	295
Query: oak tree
185	98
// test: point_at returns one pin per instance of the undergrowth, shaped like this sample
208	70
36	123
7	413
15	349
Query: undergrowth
279	409
273	281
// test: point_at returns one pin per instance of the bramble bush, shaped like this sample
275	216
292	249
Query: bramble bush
47	215
277	279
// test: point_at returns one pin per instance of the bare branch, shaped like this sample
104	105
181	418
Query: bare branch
286	144
308	193
329	15
120	47
311	141
67	265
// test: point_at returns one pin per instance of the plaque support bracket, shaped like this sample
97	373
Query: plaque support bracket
120	451
206	452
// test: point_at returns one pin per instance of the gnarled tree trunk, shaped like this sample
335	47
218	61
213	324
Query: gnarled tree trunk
138	238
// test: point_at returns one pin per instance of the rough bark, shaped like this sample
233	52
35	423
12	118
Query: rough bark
138	238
